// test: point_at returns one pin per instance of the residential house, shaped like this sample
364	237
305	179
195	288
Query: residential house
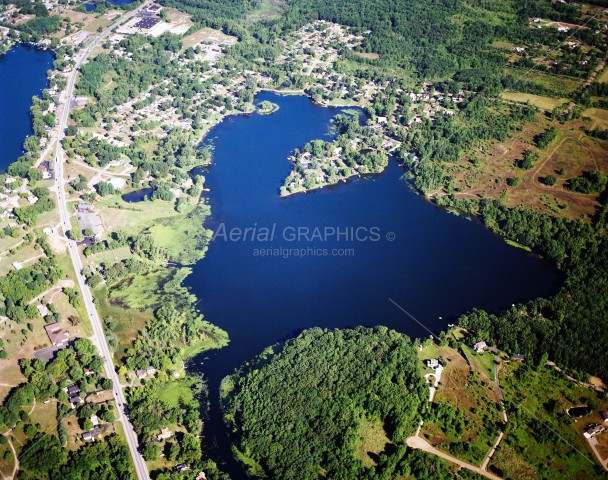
75	401
182	467
141	374
94	420
72	390
480	346
518	357
84	207
164	434
58	336
88	437
432	363
604	415
593	430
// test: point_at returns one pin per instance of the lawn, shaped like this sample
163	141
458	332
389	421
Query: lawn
178	392
117	214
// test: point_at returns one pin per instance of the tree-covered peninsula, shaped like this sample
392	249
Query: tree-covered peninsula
305	408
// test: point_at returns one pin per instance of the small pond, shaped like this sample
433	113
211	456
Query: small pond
137	196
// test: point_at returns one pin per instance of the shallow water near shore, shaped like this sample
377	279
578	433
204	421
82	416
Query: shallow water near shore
254	285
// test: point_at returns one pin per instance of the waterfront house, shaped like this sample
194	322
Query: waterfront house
432	363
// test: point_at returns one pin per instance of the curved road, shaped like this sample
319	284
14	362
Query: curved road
419	443
98	336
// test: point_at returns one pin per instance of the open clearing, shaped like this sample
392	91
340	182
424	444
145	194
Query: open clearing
603	76
207	35
559	84
544	103
573	150
372	441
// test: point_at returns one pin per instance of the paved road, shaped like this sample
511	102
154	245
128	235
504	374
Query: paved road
98	336
421	444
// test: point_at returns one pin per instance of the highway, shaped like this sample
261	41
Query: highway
98	337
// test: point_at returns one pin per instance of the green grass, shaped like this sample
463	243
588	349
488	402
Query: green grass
129	322
603	76
184	237
253	468
515	244
544	103
540	437
372	439
178	392
558	84
141	291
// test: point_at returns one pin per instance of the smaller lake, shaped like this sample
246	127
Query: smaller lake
137	195
22	76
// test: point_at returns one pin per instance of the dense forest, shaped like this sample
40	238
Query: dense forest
297	408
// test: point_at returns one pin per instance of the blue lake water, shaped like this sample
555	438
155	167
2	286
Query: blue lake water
433	264
22	75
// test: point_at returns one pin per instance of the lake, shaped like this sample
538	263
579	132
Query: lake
22	75
360	246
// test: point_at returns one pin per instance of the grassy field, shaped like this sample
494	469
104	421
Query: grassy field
267	10
598	117
372	440
544	103
184	237
141	291
542	441
562	85
603	76
178	392
484	171
117	214
129	322
206	35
